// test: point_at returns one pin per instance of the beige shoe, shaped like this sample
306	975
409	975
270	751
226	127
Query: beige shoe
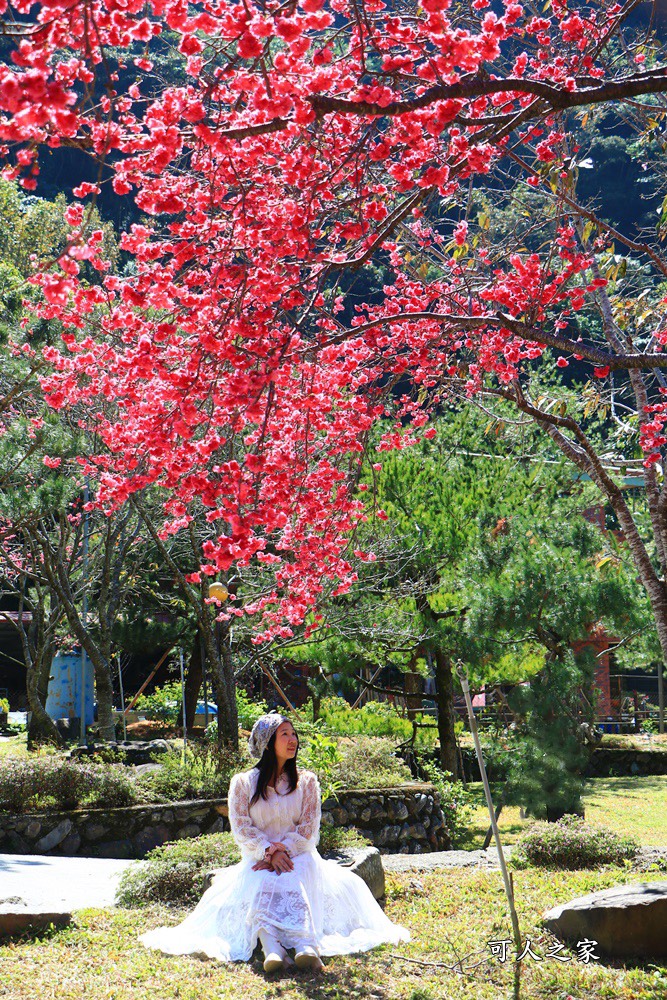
274	953
307	958
274	962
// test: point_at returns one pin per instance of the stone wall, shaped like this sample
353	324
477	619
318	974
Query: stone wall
604	762
608	762
406	819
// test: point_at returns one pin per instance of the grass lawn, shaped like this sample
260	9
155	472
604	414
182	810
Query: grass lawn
14	746
452	915
633	806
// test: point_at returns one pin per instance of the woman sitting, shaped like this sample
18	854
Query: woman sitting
282	892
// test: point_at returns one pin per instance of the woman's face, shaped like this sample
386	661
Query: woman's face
287	742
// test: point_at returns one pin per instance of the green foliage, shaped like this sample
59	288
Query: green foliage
340	838
249	711
164	703
369	762
375	718
198	772
322	755
571	843
455	800
174	873
4	705
48	781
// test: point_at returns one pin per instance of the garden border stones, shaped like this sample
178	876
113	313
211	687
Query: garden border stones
405	820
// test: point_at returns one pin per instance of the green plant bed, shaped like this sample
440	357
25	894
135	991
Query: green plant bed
451	914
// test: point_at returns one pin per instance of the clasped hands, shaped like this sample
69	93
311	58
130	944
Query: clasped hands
276	859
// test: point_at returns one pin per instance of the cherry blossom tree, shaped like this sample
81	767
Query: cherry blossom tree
310	142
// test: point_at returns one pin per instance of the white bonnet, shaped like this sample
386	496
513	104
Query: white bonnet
262	732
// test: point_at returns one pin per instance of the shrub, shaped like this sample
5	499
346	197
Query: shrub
52	782
174	873
165	703
248	711
572	843
4	705
369	762
321	754
340	838
199	772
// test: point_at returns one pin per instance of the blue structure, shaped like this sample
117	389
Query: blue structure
64	695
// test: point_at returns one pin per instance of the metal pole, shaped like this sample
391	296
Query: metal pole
185	735
122	698
661	698
202	653
82	700
509	890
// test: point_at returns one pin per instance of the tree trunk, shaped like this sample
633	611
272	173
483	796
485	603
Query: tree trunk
220	669
41	727
413	693
193	682
104	693
444	699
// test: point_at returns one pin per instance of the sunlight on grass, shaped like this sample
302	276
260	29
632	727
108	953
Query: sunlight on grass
15	746
632	806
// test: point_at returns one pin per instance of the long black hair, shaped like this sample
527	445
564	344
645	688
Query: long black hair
268	768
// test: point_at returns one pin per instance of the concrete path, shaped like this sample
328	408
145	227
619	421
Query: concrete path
62	883
442	859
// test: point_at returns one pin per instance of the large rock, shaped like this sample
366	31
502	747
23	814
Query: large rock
364	862
627	921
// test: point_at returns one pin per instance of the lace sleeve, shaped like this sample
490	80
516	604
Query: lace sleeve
248	836
307	831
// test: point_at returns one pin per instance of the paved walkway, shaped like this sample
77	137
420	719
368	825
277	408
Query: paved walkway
62	883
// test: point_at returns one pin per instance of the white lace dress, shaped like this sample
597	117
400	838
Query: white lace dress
319	903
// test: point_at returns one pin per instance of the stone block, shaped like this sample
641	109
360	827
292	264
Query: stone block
386	837
95	831
14	843
33	829
15	918
149	838
71	844
627	921
189	830
397	810
114	849
220	825
340	816
54	837
367	864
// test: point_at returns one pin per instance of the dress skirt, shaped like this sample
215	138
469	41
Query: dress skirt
319	903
